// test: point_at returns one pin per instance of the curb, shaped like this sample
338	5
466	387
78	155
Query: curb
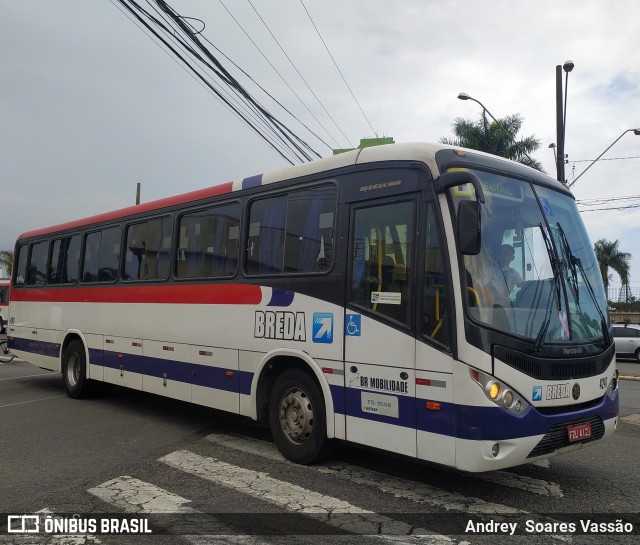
629	377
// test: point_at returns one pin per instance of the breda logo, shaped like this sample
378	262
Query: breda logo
575	391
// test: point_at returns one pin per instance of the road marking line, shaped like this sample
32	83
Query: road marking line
512	480
30	401
522	482
135	496
297	499
632	419
28	376
402	488
546	463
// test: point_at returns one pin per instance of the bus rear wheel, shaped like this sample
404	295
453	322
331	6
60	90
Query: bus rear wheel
297	418
74	371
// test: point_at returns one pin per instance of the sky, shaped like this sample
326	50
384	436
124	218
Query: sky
90	105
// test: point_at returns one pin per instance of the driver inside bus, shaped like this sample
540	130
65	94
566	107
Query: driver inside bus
511	277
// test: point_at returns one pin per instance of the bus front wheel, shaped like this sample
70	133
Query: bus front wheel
74	371
297	418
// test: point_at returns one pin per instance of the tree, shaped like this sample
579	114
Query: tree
6	260
495	139
610	257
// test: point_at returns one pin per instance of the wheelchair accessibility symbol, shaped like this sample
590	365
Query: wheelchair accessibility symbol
353	325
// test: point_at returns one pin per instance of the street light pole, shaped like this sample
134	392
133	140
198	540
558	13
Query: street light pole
561	117
635	131
466	96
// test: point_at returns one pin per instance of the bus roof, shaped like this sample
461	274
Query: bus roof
422	152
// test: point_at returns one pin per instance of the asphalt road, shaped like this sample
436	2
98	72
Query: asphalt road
129	452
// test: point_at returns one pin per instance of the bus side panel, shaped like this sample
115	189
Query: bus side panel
95	346
123	361
216	378
167	369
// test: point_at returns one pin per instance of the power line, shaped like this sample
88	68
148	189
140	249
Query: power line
298	72
281	77
338	68
179	35
609	159
609	203
251	111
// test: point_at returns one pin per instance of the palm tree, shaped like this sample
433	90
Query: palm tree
609	256
6	260
497	139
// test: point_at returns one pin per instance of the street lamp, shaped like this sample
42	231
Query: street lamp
561	116
635	131
466	96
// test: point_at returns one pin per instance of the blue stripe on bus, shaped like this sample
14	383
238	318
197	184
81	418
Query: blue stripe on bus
468	422
462	421
190	373
280	298
252	181
34	346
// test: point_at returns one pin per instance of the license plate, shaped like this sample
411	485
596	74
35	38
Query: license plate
579	432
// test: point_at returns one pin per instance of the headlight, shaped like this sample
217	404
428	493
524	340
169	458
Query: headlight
499	393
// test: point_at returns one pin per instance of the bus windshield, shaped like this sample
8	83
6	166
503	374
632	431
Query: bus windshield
536	275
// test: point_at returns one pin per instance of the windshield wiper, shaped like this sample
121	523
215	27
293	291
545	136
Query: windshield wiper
576	262
555	267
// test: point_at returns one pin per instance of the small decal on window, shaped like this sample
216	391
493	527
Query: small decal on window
386	298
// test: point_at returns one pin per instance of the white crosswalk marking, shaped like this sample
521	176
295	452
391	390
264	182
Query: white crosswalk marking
135	496
522	482
632	419
401	488
297	499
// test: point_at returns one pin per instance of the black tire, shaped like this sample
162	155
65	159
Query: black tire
74	371
638	355
297	418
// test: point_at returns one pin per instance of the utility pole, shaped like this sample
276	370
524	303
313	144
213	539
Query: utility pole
138	193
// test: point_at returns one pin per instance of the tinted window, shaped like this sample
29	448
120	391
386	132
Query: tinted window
37	270
148	250
4	294
382	251
21	267
436	324
101	256
292	233
65	260
208	243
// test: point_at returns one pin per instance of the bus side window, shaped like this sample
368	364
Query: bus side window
292	233
37	270
21	267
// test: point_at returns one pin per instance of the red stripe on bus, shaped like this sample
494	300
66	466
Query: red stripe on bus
185	198
194	294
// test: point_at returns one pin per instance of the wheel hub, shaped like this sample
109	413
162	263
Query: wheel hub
296	416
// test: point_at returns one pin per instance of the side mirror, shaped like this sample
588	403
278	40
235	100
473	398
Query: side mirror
469	227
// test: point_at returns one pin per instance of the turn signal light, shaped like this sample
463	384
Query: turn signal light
494	391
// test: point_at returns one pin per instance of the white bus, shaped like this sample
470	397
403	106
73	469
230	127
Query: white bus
363	297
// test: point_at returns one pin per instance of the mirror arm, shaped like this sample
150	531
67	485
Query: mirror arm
459	177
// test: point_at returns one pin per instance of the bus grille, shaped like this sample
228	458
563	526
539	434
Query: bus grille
558	437
546	369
